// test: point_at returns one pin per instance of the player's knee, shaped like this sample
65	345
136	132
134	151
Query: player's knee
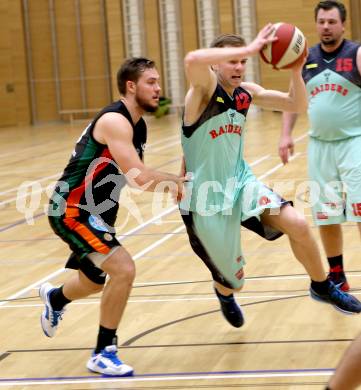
121	268
126	271
301	228
297	227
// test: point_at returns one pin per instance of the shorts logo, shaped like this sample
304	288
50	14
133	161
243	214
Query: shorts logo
264	200
108	236
356	208
332	205
321	215
239	274
97	223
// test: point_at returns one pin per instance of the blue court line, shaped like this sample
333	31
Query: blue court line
160	375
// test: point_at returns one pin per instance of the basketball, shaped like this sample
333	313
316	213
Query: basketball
288	48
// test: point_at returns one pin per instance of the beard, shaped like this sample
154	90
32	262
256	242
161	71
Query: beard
329	42
147	107
331	39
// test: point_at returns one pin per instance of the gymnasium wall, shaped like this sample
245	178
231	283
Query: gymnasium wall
90	45
14	97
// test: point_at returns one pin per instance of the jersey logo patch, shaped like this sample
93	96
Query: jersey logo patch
311	66
242	101
219	99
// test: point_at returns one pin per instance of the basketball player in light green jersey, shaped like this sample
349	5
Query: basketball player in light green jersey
332	74
223	191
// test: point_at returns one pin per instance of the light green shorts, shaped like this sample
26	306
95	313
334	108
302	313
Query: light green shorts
219	234
335	172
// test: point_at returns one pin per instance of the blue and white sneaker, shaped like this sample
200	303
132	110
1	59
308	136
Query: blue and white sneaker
49	318
339	299
107	363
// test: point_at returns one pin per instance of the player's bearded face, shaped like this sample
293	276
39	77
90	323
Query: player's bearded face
148	90
148	105
329	26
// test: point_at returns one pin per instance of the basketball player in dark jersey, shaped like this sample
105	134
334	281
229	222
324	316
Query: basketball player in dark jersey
224	192
332	75
84	206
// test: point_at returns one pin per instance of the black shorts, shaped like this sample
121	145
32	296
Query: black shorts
85	235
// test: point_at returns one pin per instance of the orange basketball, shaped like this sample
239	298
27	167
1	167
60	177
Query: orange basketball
287	49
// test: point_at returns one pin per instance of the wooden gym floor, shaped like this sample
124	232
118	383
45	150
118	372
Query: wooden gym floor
172	331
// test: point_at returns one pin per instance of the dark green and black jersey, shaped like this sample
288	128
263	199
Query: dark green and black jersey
91	182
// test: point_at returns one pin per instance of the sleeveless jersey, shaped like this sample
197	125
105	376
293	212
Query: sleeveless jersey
213	152
91	182
333	84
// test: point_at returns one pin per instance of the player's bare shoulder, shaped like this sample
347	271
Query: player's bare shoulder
111	125
196	101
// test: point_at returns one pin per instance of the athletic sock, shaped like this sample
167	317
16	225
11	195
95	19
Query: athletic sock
57	299
320	287
106	337
336	261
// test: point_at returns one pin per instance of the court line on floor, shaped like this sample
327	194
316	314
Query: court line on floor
36	216
179	376
61	270
154	219
39	190
157	243
187	299
182	345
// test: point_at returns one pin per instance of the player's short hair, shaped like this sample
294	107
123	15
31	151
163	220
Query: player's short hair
131	70
224	40
329	4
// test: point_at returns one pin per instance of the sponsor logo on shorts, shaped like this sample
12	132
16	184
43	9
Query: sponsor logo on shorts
108	236
356	208
333	205
239	275
264	200
321	215
97	223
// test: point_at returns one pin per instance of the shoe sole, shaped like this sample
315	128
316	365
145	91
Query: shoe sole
43	328
315	298
230	323
91	369
44	299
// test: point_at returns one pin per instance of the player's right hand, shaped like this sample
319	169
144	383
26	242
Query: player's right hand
263	38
